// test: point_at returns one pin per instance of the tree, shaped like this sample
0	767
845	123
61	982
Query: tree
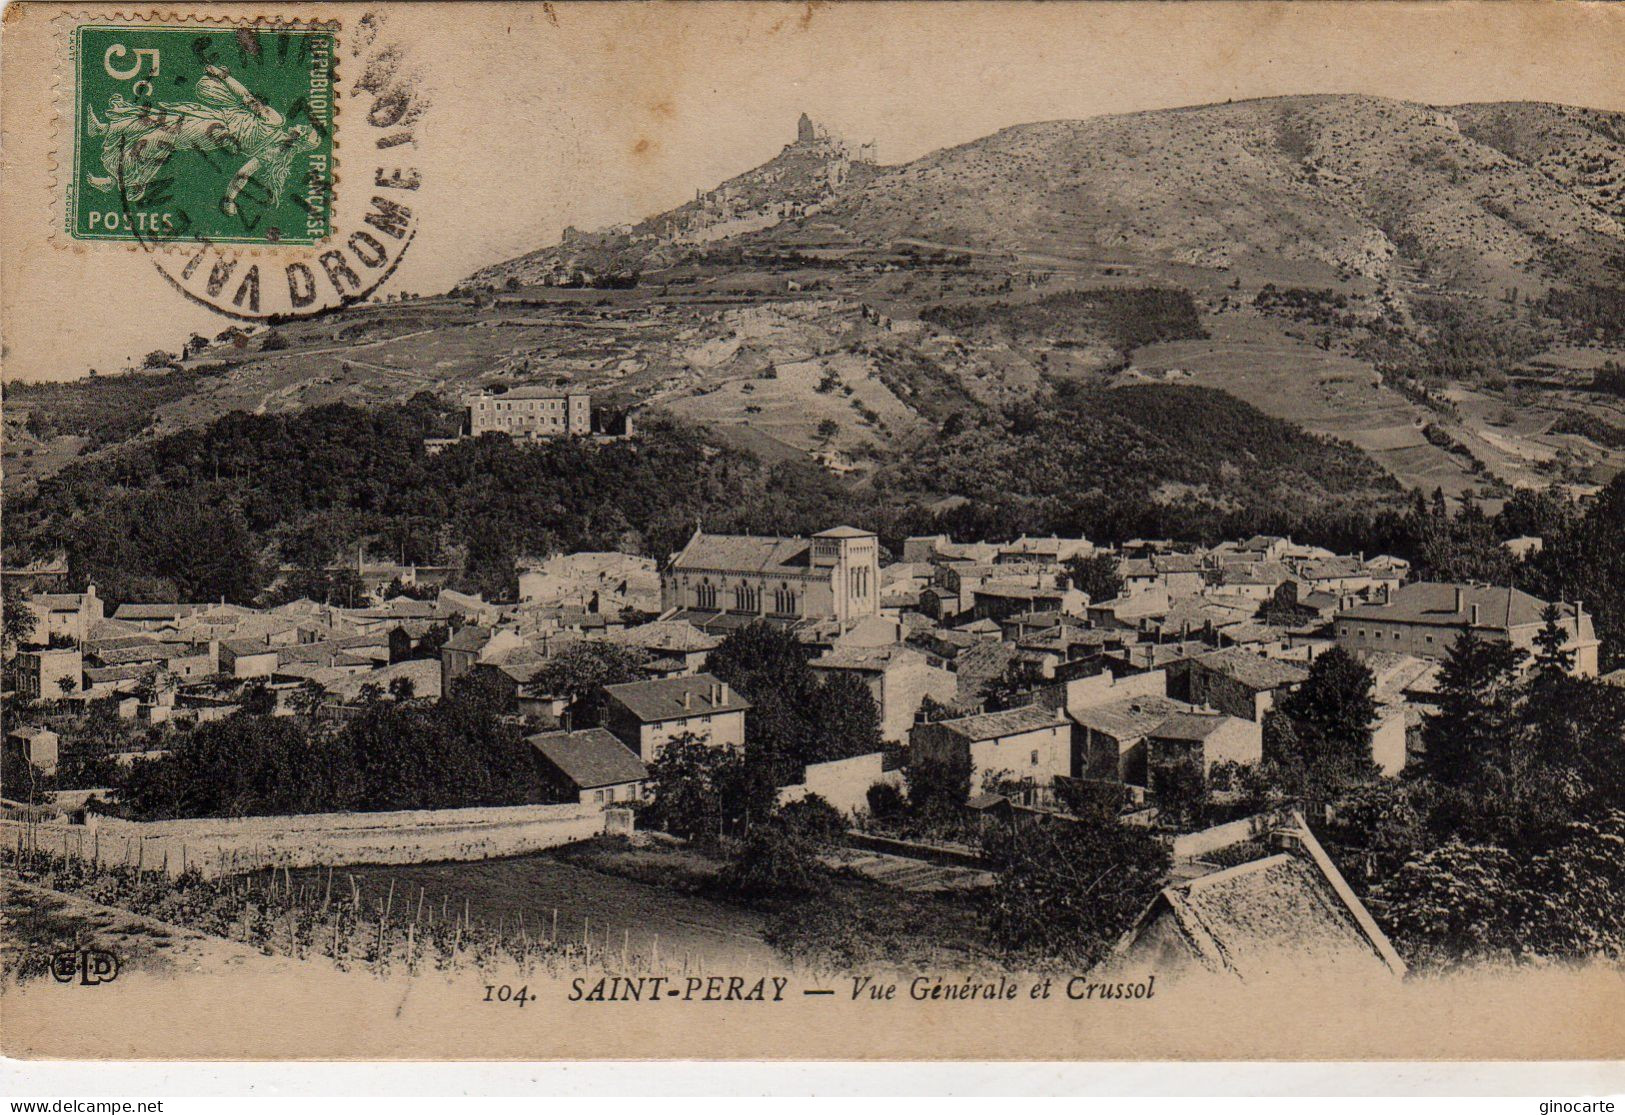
1097	575
1463	902
1066	891
1337	698
19	620
1013	688
794	719
23	781
848	720
938	787
885	801
307	698
1478	703
68	684
580	672
403	688
1552	656
685	793
1181	794
1374	829
257	698
1453	903
1325	724
778	862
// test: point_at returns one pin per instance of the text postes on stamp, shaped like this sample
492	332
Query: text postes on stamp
217	134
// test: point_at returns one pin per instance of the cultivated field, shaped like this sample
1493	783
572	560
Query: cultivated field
612	911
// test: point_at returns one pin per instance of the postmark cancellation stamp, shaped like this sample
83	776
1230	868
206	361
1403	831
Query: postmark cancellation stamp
215	146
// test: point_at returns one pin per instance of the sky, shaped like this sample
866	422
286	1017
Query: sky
543	116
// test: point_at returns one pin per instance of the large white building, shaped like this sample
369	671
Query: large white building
835	574
1425	619
530	412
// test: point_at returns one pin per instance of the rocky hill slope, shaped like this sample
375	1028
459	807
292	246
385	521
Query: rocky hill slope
1475	197
1433	285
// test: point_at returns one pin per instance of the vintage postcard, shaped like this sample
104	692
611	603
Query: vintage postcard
813	531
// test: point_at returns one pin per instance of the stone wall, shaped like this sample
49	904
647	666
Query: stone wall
223	846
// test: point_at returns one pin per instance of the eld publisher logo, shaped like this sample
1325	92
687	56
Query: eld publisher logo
89	966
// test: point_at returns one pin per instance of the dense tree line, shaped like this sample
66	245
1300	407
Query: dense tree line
1125	317
458	752
210	512
1155	461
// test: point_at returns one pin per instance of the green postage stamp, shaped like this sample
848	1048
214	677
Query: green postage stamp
202	133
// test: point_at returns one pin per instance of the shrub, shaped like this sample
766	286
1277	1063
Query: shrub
814	818
885	801
776	862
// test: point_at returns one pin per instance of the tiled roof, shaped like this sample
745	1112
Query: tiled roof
997	725
97	674
1332	568
245	647
745	553
590	758
1434	603
1277	916
1253	670
867	658
536	391
470	638
665	635
1177	563
662	698
1259	573
150	652
1190	725
1129	717
158	611
59	601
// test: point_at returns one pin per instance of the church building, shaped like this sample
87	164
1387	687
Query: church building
835	574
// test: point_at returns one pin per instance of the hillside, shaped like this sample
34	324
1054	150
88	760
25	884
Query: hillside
1436	286
309	488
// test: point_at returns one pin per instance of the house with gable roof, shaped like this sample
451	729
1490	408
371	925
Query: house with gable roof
1425	619
1289	914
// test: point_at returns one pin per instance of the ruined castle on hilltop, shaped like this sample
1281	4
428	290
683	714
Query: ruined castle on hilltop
794	183
809	134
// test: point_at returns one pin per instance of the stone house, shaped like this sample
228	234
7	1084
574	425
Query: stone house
1239	682
897	677
646	715
590	766
833	575
49	673
1424	619
1029	743
64	616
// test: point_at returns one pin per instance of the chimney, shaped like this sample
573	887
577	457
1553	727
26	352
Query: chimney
1474	614
688	700
1461	600
567	719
